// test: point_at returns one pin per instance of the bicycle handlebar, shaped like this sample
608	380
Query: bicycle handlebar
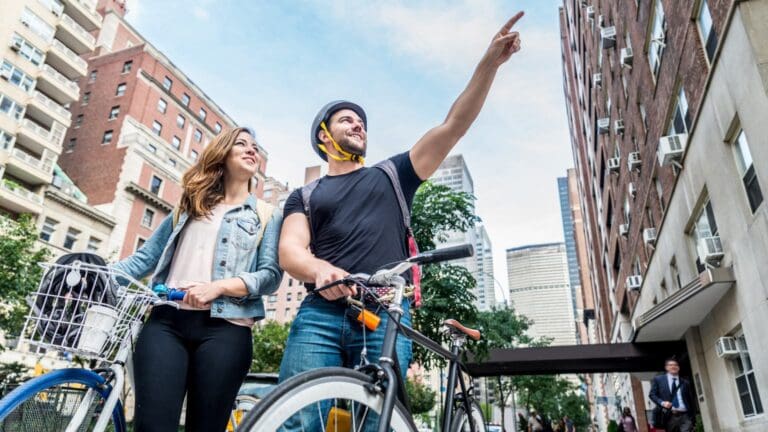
444	254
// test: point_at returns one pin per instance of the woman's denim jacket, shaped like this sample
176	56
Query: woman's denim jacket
236	255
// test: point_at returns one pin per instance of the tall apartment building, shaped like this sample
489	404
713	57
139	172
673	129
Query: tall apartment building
667	104
138	124
566	214
539	289
454	173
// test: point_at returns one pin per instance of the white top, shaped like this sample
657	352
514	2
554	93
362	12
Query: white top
681	405
193	260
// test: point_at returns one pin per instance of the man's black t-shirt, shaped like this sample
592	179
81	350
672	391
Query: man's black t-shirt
356	220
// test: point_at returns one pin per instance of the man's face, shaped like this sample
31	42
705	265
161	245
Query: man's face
348	129
672	367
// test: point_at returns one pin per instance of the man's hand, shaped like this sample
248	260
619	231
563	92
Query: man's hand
327	273
200	295
505	43
666	404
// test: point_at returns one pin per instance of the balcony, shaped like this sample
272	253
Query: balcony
30	169
46	111
74	35
84	13
66	61
37	138
59	87
19	199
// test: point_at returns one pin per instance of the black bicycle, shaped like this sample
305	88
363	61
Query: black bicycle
373	397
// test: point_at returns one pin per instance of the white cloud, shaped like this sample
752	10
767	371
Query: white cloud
200	13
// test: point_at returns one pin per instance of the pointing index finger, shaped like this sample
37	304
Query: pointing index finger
512	22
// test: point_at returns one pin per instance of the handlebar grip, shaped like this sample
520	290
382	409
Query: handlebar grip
169	293
174	294
444	254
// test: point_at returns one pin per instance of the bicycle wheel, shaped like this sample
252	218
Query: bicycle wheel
243	404
460	422
48	402
328	399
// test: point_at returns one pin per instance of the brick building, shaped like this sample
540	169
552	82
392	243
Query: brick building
137	126
641	78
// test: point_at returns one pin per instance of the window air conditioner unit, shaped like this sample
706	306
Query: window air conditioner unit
590	12
634	282
633	161
614	164
608	36
710	250
626	57
16	45
624	229
597	79
671	148
632	189
600	21
618	126
726	347
649	236
603	125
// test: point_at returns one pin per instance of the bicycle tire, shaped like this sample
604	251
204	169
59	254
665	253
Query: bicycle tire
242	406
460	423
311	387
16	401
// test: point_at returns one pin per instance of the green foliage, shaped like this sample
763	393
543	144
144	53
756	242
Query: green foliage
12	373
613	426
437	210
422	397
268	346
19	270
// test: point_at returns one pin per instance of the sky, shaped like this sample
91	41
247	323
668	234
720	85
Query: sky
272	65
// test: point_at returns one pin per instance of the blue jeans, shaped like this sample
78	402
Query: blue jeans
322	335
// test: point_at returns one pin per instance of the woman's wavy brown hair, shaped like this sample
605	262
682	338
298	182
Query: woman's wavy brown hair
203	183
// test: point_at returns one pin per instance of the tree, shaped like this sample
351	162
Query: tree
446	289
268	346
421	397
20	272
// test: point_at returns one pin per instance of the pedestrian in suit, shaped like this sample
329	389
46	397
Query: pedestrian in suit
675	408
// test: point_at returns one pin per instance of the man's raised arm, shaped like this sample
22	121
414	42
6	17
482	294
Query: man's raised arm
430	151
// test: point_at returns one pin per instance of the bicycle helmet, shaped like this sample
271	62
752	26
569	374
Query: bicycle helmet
321	122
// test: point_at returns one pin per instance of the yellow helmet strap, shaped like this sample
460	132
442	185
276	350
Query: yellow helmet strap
345	155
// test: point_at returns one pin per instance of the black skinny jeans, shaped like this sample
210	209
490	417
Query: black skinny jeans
187	352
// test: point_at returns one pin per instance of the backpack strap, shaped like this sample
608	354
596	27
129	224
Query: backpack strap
306	194
391	171
264	212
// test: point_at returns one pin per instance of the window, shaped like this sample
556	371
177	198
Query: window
193	155
127	66
270	314
172	162
288	297
162	105
747	171
86	98
139	243
71	238
656	44
152	148
10	107
202	114
198	135
287	312
272	298
185	99
643	116
93	75
55	6
707	30
49	227
114	112
27	50
37	25
107	138
78	121
705	226
93	245
176	142
217	127
290	282
299	295
681	118
180	120
146	220
627	211
746	384
157	127
167	83
17	77
6	140
154	185
71	145
120	89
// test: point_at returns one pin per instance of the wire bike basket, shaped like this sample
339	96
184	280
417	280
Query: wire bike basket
82	309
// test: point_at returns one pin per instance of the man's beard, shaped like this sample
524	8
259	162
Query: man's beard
346	144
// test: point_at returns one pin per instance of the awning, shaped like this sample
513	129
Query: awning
686	308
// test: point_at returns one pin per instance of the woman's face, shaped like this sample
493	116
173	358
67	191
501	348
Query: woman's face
243	160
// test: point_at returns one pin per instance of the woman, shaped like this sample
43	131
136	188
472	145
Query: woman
627	422
220	247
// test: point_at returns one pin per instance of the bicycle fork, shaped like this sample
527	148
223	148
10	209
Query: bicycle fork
388	355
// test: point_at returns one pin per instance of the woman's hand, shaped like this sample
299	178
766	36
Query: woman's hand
200	295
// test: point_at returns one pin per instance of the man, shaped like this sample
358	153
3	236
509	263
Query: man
675	408
353	223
